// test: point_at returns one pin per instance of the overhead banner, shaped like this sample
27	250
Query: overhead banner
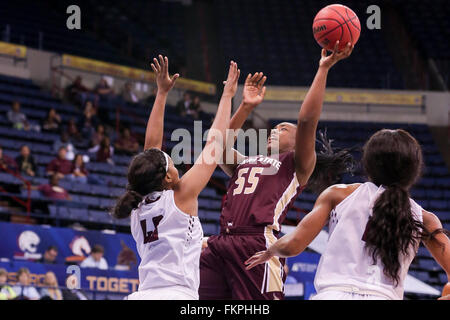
297	95
116	70
28	243
13	50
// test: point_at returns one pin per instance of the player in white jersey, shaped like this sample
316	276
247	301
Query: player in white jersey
164	207
374	227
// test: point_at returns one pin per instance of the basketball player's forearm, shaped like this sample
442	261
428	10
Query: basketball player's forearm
236	123
287	246
241	115
222	120
312	105
155	125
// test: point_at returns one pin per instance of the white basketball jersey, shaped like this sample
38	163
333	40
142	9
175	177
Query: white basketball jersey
169	243
345	261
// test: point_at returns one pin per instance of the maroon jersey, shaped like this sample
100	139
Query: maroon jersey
260	192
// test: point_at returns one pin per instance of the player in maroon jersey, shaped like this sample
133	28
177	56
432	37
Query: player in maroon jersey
261	191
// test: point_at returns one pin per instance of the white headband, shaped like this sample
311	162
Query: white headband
166	156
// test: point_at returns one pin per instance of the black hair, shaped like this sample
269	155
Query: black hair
331	164
145	174
97	249
52	247
393	159
74	161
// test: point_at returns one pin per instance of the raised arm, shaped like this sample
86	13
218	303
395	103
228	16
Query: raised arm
155	125
253	95
196	178
294	243
440	246
308	117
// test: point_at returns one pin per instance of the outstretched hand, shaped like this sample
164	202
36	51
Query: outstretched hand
254	89
163	80
230	87
258	258
336	55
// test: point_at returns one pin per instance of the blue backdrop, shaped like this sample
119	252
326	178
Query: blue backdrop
28	242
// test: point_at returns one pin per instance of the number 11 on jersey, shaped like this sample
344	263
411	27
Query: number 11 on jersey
151	235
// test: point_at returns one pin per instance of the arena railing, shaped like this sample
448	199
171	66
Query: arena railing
27	203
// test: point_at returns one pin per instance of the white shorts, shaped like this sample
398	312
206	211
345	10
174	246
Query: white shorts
167	293
341	295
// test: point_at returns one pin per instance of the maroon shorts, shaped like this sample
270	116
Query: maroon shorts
222	269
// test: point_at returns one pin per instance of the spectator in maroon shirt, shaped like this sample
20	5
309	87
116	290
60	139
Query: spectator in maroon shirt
60	165
104	151
7	163
79	172
98	135
126	142
77	92
53	190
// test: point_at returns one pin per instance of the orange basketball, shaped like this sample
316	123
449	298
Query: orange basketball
336	22
446	290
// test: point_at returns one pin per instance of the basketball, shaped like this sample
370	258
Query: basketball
446	290
336	22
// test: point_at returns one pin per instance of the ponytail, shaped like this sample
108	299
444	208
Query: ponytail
331	164
392	230
126	203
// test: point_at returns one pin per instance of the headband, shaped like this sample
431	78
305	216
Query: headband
166	156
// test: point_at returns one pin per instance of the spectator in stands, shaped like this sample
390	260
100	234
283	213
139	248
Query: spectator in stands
195	108
106	95
49	256
126	258
88	121
104	151
53	190
6	292
78	93
23	289
103	89
128	94
60	166
64	141
72	130
126	142
52	122
98	135
25	162
18	119
184	105
51	292
7	163
95	259
71	293
79	172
